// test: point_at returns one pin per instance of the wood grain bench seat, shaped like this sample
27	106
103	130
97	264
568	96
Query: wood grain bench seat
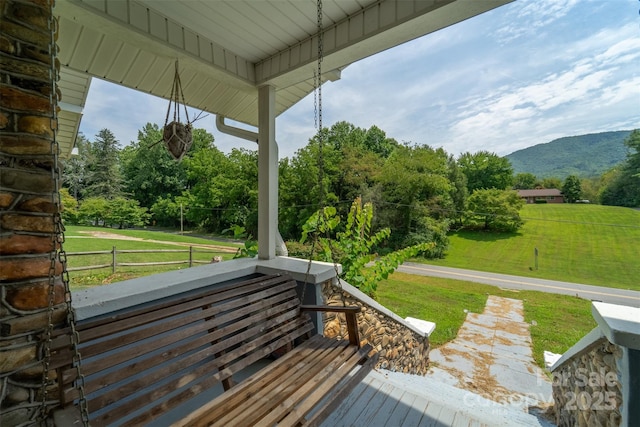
140	363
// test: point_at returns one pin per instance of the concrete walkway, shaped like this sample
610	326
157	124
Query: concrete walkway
491	357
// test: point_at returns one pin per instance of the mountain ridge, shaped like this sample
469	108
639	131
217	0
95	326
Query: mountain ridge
585	155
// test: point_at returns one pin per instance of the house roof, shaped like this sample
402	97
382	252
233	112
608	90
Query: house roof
542	192
228	49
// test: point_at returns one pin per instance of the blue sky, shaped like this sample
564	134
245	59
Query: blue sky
520	75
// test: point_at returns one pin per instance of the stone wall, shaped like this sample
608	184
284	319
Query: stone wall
28	206
401	347
587	387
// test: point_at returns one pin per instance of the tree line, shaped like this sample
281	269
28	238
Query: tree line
419	193
619	186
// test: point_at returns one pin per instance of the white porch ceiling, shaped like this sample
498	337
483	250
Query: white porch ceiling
227	49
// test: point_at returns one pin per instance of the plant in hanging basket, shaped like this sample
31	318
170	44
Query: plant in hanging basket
177	138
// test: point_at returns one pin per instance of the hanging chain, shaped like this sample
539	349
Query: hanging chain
186	112
318	89
317	118
319	72
317	115
174	99
321	144
57	255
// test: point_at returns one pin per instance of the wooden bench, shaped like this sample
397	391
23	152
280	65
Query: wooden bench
140	363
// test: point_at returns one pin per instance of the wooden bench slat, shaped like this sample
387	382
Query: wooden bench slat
215	378
96	383
142	362
287	390
193	314
337	397
208	369
93	329
242	391
261	393
205	353
260	310
125	323
333	377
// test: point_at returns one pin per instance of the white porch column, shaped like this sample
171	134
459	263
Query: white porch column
267	173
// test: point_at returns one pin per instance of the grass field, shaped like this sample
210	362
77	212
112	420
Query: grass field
91	239
557	322
591	244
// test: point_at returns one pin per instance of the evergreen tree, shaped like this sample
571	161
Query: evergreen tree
459	191
102	169
571	189
74	173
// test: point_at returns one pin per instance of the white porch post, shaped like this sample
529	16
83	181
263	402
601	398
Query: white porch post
267	174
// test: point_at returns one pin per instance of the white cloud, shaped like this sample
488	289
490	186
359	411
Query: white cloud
522	74
527	17
123	111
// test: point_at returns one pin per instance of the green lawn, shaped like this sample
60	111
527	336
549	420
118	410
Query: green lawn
168	236
82	239
591	244
557	321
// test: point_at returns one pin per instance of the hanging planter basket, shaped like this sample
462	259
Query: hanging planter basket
176	136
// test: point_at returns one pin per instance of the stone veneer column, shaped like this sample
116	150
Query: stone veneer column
28	202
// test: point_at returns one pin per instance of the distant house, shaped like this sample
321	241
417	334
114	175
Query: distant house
543	195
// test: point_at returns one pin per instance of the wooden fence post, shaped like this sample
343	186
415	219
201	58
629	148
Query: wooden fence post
190	256
113	261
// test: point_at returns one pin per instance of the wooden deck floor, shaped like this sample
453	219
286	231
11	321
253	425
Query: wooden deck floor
382	400
377	402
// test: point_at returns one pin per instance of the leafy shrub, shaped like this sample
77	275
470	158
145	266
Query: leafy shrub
353	247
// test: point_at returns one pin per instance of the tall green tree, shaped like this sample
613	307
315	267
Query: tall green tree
74	173
591	189
459	192
94	211
69	207
377	142
150	172
126	213
205	172
624	188
552	182
103	173
572	188
300	189
524	181
415	185
493	209
486	170
239	202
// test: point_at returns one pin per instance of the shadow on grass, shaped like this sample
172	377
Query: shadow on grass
484	236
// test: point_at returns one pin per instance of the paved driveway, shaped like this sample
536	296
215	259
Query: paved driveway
593	293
